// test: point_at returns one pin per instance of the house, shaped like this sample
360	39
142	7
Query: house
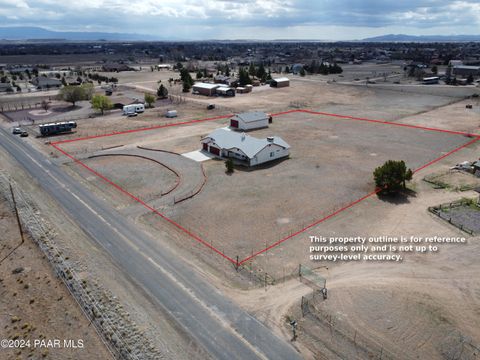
249	121
206	89
280	82
222	79
243	148
42	82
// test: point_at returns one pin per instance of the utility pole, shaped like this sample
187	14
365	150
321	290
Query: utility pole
18	223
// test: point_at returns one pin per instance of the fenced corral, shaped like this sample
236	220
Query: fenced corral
463	214
121	339
334	333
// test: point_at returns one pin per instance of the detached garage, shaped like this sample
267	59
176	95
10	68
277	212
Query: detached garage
249	121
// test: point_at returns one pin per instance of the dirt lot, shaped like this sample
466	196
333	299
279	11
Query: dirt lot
35	304
330	166
426	307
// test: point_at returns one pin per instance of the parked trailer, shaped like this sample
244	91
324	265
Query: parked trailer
57	128
133	108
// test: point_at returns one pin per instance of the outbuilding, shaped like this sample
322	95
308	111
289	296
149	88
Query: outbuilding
243	148
249	121
280	82
206	89
225	91
466	70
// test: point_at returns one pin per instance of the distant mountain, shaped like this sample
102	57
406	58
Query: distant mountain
422	38
37	33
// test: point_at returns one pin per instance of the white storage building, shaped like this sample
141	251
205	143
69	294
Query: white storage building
249	121
207	89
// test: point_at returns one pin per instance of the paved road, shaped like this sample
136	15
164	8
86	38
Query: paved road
218	325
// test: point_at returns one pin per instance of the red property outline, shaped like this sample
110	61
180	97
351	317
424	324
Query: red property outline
238	262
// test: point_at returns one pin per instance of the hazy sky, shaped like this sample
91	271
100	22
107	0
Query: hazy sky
249	19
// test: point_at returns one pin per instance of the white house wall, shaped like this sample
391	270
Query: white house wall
253	125
263	155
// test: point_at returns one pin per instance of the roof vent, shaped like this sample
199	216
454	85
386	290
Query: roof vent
270	139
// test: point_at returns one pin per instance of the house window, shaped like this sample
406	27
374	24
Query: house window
272	154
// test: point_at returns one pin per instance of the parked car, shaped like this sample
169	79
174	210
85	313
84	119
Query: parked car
24	133
210	106
16	131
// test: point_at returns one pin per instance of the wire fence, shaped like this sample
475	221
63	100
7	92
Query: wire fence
105	326
443	212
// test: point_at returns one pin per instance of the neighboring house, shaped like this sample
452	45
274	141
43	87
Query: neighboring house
466	70
280	82
249	121
244	148
222	79
42	82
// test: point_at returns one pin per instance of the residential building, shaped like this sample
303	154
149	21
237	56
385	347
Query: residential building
243	148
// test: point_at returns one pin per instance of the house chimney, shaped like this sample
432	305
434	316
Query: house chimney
270	139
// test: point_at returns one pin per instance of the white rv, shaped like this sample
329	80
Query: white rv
133	108
171	113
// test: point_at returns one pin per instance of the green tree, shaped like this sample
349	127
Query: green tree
149	99
199	74
251	70
243	77
434	69
229	166
72	94
261	73
186	80
102	103
89	90
302	72
162	92
470	79
392	176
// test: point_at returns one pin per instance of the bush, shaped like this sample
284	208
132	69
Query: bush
229	166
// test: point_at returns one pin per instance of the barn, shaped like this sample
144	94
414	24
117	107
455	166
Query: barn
245	149
206	89
249	121
280	82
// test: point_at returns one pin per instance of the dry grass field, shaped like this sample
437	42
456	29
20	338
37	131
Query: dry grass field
330	166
